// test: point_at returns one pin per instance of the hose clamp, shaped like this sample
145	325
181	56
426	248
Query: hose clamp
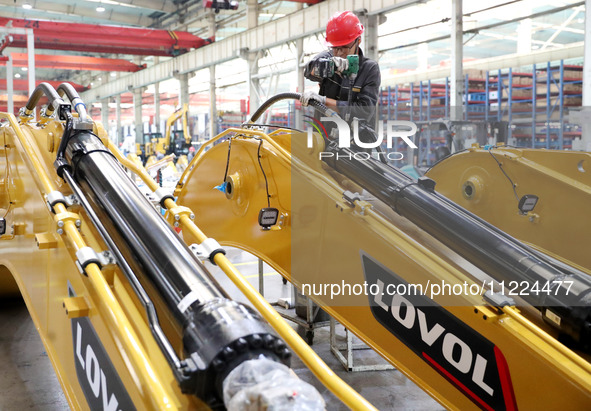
83	124
207	249
54	198
162	194
72	199
498	300
351	197
86	256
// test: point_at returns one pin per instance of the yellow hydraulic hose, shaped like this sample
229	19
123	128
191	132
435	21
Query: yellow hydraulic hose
137	356
136	169
336	385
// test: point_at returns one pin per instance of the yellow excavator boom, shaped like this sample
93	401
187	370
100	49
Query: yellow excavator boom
128	313
538	196
470	314
163	145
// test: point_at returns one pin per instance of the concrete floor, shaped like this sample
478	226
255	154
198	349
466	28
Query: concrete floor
28	382
27	379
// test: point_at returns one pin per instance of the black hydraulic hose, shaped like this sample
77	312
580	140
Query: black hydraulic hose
288	96
70	91
60	162
350	97
567	307
265	106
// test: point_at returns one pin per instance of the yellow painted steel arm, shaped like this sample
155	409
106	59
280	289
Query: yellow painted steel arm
137	357
559	180
186	125
338	231
180	113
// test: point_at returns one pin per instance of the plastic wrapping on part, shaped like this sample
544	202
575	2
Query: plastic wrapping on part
263	384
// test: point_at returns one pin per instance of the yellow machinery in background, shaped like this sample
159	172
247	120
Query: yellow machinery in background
538	196
146	149
476	318
172	143
128	313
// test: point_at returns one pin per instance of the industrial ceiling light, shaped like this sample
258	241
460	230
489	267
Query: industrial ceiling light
100	9
27	6
17	75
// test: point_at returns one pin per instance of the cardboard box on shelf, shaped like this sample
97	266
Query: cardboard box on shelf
521	106
525	81
475	74
515	92
555	115
568	88
568	101
517	80
477	86
425	102
568	74
514	106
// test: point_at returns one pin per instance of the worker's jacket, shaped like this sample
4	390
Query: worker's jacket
365	88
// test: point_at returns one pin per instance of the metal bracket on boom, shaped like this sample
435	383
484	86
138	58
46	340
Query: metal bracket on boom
72	199
87	255
178	211
351	197
53	198
498	300
162	194
207	249
56	197
356	202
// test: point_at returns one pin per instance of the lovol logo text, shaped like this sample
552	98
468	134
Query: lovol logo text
456	352
461	355
98	378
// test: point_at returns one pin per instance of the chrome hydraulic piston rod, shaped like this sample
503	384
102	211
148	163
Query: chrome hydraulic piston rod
566	302
218	334
564	299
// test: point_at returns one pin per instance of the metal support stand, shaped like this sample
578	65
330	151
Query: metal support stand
305	325
261	278
347	362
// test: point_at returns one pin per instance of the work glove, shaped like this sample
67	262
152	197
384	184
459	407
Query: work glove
310	95
340	64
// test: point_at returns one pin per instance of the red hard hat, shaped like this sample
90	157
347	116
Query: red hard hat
342	28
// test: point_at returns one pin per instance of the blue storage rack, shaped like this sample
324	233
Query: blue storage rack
537	118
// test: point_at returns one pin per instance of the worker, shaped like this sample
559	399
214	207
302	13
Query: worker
191	154
343	33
